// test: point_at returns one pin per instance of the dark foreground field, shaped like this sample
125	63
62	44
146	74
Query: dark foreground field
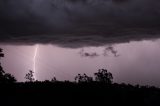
45	93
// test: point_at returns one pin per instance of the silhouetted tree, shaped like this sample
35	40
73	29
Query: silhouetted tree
29	76
9	78
103	76
1	69
5	77
53	79
1	53
83	78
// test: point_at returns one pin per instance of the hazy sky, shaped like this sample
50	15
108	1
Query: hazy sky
136	62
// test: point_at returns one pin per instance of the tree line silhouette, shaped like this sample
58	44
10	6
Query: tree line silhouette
99	89
5	77
101	76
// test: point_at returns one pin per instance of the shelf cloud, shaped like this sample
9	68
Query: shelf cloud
76	23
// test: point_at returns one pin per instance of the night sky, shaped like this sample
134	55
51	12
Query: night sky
63	28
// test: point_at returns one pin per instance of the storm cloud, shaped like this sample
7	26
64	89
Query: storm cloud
77	23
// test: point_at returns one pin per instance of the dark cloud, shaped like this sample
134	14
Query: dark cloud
107	50
84	53
112	50
77	23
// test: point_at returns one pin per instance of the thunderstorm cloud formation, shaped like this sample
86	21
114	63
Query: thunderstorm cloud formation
77	23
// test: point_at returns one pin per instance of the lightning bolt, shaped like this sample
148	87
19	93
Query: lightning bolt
34	60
